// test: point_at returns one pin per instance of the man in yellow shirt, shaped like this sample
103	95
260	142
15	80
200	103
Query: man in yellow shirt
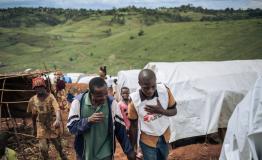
45	108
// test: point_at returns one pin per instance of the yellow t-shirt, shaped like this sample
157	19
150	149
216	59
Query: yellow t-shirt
45	111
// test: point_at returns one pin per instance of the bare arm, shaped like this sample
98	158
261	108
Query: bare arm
133	132
172	111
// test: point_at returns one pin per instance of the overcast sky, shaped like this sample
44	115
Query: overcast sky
108	4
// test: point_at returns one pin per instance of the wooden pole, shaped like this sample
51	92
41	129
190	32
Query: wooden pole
22	134
14	102
2	94
14	126
15	90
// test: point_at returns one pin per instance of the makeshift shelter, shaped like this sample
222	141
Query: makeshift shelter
243	140
67	79
75	76
85	79
206	92
16	90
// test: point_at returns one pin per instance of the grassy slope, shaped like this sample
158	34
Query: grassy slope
88	46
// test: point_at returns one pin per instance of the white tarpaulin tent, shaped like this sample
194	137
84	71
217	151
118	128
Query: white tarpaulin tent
127	78
86	79
75	76
206	92
243	140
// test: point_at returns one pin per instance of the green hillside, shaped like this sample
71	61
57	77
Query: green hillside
85	44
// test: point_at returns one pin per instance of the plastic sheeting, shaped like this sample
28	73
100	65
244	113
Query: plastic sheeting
75	76
243	140
206	92
127	78
86	79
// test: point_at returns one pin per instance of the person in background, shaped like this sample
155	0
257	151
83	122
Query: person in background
123	105
102	72
73	91
45	109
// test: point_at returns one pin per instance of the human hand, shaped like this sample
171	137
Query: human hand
96	117
155	109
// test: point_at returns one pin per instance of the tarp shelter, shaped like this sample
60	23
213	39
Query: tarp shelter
127	78
86	79
75	76
67	79
206	92
243	140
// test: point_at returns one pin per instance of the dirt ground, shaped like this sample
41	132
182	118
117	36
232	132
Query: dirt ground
28	147
196	152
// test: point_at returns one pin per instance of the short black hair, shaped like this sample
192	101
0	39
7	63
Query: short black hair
124	88
115	81
146	75
96	82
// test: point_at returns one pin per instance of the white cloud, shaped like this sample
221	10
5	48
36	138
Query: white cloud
103	4
254	4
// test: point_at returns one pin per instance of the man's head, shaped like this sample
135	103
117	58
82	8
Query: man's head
115	81
147	82
38	84
125	93
102	72
98	91
60	85
58	74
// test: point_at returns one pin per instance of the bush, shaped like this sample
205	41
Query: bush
131	37
108	32
141	33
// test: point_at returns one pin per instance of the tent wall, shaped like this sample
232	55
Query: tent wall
127	78
243	140
206	92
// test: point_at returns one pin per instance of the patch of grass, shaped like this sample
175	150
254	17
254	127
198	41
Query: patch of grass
83	46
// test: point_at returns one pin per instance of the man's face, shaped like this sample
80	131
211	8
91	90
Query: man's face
148	87
99	96
40	91
125	94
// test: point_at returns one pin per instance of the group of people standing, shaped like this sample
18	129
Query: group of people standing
139	121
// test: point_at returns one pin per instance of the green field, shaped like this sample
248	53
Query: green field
82	46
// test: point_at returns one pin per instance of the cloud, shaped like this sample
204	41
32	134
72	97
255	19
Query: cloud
107	4
254	4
